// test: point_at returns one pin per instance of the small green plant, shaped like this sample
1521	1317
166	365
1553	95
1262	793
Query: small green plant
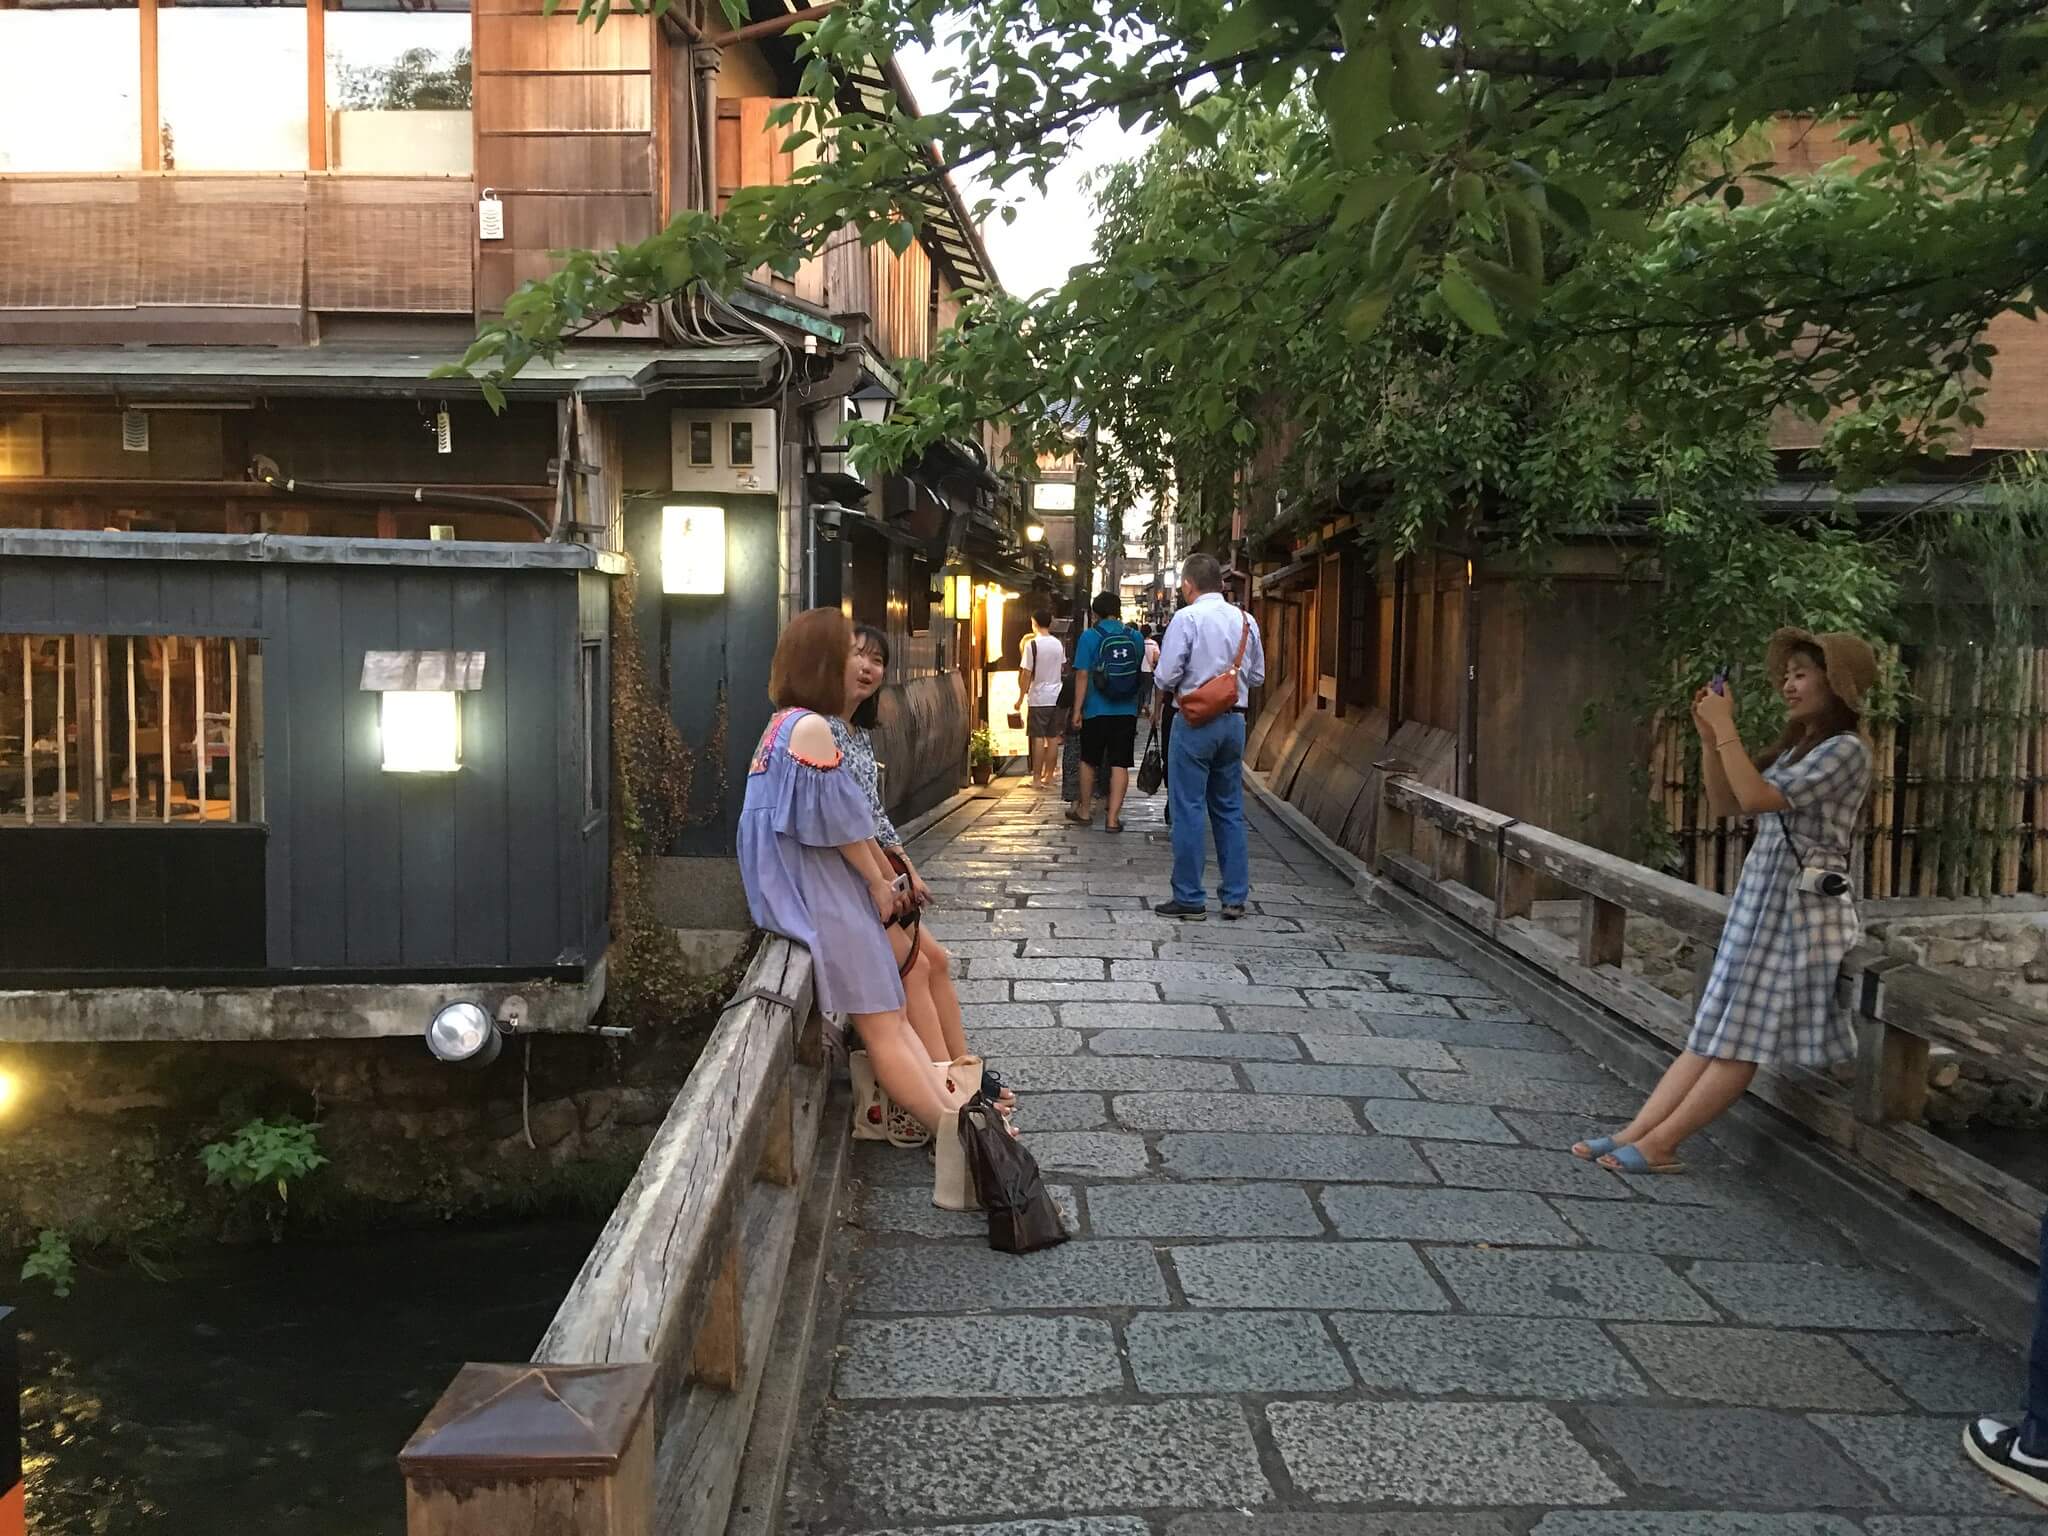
265	1153
51	1260
981	747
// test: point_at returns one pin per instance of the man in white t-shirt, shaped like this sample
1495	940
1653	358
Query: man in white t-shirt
1038	683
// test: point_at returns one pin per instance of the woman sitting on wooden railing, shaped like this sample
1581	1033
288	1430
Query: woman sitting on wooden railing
1771	995
812	871
933	1002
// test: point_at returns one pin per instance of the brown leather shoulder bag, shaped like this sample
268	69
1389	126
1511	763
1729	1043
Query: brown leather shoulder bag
1204	702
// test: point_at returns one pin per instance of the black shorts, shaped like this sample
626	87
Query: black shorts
1107	741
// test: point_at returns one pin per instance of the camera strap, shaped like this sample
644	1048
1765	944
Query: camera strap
1798	853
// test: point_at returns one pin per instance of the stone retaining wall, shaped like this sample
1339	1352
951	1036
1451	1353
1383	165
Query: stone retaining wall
104	1141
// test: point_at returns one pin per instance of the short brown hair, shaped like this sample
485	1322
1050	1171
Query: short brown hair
809	669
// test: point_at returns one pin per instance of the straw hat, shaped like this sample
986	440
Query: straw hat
1850	661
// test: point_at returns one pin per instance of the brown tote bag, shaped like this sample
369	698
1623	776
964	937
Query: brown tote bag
1203	703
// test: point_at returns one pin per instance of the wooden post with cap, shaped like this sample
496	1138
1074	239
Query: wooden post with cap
13	1500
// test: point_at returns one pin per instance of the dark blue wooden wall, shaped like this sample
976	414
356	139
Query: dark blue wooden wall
497	865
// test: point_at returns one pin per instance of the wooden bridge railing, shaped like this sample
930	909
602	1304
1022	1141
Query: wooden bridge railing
1901	1009
632	1416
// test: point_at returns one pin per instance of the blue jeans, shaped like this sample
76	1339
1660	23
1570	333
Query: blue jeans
2034	1428
1205	769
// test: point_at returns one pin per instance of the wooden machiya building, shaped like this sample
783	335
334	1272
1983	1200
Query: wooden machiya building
306	653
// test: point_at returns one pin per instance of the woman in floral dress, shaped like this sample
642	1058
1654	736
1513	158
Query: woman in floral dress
1771	995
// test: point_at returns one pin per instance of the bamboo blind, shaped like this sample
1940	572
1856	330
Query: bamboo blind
1959	800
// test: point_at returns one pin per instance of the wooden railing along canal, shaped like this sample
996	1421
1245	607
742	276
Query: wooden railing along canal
633	1414
1901	1009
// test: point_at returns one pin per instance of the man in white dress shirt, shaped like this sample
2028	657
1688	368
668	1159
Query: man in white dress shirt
1205	763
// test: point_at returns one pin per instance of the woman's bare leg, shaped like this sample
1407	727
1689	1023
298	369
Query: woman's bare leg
937	965
1670	1092
1717	1087
917	997
904	1067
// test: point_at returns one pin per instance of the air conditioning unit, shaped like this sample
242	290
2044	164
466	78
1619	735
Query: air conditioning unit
724	451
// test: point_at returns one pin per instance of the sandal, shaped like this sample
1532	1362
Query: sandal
905	1129
1630	1159
1593	1149
1112	827
997	1090
1080	821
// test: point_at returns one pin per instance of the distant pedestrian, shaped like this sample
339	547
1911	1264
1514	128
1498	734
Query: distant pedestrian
1208	639
1108	682
1151	661
1771	994
1041	664
2017	1454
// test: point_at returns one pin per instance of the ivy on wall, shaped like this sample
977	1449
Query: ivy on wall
652	986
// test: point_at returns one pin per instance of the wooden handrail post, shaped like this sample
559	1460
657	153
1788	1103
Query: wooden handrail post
1602	932
1397	826
719	1359
567	1449
1891	1063
1514	889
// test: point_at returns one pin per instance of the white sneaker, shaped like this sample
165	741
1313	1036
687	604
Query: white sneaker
1995	1446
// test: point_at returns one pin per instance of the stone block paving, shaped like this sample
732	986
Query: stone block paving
1333	1271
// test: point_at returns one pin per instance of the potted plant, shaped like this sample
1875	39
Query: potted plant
981	755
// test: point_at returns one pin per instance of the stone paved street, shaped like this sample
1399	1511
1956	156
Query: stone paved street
1333	1270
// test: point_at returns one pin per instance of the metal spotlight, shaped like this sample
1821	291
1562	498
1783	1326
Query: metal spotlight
464	1034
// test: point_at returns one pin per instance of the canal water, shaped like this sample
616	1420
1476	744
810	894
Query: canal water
268	1389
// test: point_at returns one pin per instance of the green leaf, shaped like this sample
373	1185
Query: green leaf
494	397
2037	146
1511	288
1467	302
1355	98
899	236
1198	130
1362	199
1365	313
1394	232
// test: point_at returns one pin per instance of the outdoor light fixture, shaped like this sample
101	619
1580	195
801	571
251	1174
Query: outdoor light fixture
693	551
420	705
10	1092
422	732
996	598
463	1034
1067	569
959	595
1034	533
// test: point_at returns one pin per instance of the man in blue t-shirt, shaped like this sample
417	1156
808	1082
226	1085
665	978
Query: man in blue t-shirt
1109	676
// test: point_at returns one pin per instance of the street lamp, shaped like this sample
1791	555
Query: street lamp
1067	569
1034	533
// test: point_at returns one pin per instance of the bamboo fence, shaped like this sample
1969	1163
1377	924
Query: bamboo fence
1959	801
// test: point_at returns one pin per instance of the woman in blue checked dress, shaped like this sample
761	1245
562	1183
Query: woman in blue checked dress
1771	995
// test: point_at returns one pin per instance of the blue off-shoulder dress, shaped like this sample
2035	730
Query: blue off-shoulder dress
796	816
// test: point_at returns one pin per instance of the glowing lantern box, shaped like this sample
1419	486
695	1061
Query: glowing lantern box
420	705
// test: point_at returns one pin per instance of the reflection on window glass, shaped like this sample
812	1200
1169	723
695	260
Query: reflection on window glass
231	87
398	88
70	98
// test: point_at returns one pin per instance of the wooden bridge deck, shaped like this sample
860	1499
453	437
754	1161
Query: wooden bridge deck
1333	1270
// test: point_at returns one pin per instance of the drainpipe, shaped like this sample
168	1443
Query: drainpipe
1468	725
705	61
1394	715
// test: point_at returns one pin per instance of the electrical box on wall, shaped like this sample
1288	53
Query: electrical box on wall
729	451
